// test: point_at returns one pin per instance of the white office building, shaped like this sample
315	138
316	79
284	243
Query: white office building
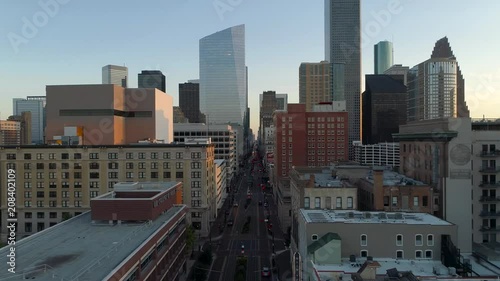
223	136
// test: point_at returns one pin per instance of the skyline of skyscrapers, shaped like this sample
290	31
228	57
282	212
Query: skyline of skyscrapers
223	81
114	74
343	45
152	79
383	56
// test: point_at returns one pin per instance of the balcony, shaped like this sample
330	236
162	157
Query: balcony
489	184
485	153
492	169
489	229
489	214
489	199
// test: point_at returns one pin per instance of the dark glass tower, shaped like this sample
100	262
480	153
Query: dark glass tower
152	79
343	46
189	101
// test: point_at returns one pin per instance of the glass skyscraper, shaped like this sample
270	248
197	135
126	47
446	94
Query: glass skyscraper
436	86
114	74
383	54
152	79
343	46
35	105
223	89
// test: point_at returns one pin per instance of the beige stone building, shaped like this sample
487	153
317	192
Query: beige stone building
54	183
314	83
319	188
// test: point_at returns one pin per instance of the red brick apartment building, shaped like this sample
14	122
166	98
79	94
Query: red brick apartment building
313	139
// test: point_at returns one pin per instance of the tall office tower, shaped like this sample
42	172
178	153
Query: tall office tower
314	83
35	105
343	45
268	105
436	86
152	79
10	132
384	56
442	49
114	74
223	87
399	69
384	108
189	101
281	101
25	123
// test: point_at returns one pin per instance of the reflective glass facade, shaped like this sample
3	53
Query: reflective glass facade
35	105
383	54
432	90
223	89
343	45
114	74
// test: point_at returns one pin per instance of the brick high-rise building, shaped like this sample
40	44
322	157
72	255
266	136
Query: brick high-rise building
303	138
322	133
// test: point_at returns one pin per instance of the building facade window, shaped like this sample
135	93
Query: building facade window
399	240
364	240
338	203
430	240
399	254
419	240
364	253
314	237
317	202
307	202
350	203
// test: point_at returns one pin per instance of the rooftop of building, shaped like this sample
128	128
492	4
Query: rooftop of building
422	269
158	187
348	216
78	248
384	83
192	127
392	178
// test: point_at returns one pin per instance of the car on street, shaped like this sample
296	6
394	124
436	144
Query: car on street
266	272
260	203
235	205
266	205
230	223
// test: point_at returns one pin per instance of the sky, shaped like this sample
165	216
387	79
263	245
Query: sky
57	42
